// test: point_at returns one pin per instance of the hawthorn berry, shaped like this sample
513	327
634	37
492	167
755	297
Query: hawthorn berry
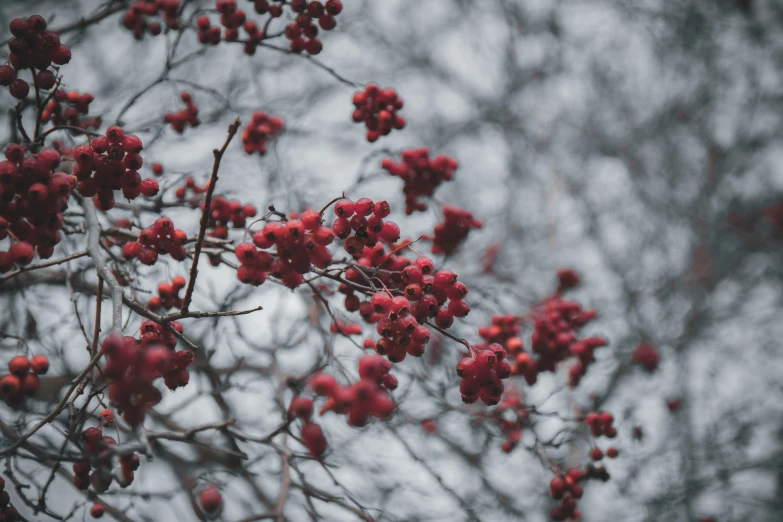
149	187
210	499
97	510
19	366
39	364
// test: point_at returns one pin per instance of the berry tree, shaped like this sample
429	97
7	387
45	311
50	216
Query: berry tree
208	316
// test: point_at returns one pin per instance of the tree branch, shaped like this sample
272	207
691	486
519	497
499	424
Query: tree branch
218	154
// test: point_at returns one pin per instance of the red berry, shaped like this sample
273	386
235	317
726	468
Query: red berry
39	364
209	498
323	384
10	385
313	439
149	187
19	366
381	302
390	232
131	249
425	264
300	407
30	384
19	88
62	55
344	208
311	219
96	511
7	75
22	253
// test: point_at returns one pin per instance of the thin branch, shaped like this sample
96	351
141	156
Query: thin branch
218	154
201	315
54	262
94	248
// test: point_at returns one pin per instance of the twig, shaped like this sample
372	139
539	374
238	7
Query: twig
332	202
218	154
54	262
201	315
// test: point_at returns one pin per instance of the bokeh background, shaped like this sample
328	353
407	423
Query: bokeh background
637	142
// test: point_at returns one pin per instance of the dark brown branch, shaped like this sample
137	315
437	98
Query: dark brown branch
218	154
30	268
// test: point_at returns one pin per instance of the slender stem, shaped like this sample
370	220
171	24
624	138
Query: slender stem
218	154
37	106
94	248
201	315
30	268
332	202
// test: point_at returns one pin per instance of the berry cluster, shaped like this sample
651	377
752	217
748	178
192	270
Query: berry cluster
360	401
168	295
554	339
303	32
481	375
7	512
503	330
365	219
207	33
65	108
344	328
600	423
94	469
110	163
566	280
254	265
453	230
275	9
596	454
187	116
231	19
554	336
223	212
23	378
210	499
262	128
190	185
646	356
135	17
160	238
32	47
412	291
377	108
133	364
567	489
420	175
32	197
300	242
423	298
311	434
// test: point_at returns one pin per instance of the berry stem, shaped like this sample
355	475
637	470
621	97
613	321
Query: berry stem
447	334
332	202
